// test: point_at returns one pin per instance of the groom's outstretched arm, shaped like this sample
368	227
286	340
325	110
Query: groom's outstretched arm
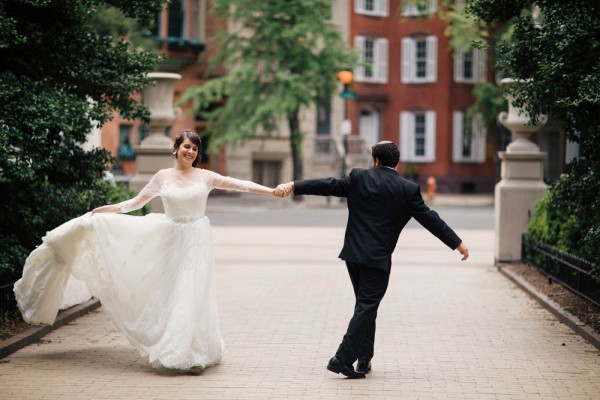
319	187
323	187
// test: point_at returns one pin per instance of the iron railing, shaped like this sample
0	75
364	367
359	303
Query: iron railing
7	298
571	271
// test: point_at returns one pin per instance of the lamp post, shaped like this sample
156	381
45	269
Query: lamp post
346	77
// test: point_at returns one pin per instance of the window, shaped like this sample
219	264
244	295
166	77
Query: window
417	136
470	66
266	172
417	8
184	19
373	59
324	117
176	19
379	8
468	146
419	59
125	151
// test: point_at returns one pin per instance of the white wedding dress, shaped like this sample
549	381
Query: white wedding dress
154	275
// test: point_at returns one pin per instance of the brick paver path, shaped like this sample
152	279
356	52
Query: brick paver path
446	329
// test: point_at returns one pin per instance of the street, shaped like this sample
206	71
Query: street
251	210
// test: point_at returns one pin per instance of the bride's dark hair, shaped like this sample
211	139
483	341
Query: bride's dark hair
194	138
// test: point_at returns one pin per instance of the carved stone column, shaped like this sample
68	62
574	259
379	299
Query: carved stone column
155	151
521	184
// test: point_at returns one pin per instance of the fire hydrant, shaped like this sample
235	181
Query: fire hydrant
431	188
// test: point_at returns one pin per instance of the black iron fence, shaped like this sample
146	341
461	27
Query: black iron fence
7	298
571	271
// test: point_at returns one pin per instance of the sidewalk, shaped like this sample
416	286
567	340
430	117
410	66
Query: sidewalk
446	329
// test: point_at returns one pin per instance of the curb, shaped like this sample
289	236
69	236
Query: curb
563	316
34	334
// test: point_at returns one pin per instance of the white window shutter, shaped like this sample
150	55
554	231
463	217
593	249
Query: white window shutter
359	6
431	58
459	73
407	54
359	70
406	135
457	135
481	65
432	6
384	8
430	136
381	60
480	136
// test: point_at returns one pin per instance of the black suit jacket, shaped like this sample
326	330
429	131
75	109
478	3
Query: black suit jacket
380	204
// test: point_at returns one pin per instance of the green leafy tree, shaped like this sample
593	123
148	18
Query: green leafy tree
554	53
280	56
59	73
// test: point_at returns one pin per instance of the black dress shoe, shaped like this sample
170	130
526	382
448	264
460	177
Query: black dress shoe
363	366
337	366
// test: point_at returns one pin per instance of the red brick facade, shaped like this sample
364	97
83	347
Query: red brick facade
443	96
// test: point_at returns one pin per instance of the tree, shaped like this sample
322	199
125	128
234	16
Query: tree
554	53
58	75
281	56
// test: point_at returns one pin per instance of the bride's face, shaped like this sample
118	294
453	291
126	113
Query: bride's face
186	153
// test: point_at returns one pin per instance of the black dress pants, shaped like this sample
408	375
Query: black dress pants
370	285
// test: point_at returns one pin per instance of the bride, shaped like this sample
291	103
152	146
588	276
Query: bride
154	275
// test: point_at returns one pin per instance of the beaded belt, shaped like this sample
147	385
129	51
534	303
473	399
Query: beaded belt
186	219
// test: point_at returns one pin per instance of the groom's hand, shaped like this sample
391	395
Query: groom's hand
284	189
463	250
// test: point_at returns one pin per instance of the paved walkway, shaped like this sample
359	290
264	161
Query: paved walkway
446	330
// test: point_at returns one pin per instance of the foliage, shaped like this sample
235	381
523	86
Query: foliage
489	102
560	221
58	75
120	192
111	21
554	56
280	57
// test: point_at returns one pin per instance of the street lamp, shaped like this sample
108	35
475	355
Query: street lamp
346	77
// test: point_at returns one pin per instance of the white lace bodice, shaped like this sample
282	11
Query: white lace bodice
185	204
183	193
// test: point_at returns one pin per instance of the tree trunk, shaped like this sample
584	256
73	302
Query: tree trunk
296	148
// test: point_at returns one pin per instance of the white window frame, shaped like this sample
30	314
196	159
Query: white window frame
408	136
411	9
380	8
409	59
479	66
380	60
478	139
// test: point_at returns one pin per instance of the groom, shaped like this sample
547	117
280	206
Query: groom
380	204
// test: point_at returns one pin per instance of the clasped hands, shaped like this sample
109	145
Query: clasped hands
284	189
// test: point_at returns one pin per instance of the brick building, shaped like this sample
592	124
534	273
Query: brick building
414	90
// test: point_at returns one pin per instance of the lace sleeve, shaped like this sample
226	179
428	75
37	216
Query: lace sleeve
147	193
226	183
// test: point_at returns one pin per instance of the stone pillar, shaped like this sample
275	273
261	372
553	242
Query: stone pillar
521	184
155	152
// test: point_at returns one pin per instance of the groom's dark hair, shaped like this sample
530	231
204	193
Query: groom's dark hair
387	153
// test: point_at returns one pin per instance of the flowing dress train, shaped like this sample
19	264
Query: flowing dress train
154	275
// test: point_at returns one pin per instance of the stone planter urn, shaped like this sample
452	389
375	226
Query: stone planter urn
155	151
516	120
159	100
